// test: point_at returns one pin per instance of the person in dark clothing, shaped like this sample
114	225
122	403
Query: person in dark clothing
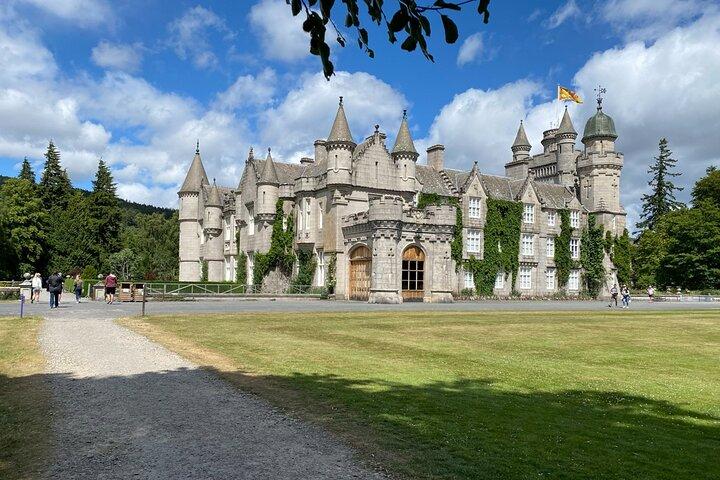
55	287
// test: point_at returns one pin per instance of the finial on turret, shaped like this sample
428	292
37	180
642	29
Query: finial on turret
377	128
600	90
269	150
405	113
197	147
341	100
214	184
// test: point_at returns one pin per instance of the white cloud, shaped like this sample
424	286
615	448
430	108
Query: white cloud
565	12
307	112
248	90
471	50
189	36
281	35
83	13
667	89
648	19
117	56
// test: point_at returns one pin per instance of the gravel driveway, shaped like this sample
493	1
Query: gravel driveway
125	407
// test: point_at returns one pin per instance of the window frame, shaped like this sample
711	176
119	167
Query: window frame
473	237
528	213
474	207
531	243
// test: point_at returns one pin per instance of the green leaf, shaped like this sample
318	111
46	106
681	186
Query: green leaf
451	31
325	7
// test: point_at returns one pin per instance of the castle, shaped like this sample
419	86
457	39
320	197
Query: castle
355	207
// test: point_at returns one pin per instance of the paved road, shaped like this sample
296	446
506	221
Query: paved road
125	407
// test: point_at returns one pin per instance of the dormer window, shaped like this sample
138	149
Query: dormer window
474	207
529	213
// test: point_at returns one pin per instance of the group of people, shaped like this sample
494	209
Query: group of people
624	293
56	285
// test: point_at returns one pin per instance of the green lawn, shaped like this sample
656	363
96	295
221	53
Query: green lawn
485	395
24	420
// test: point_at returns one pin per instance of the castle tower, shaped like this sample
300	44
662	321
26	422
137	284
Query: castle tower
340	145
190	217
566	154
518	167
212	225
405	156
268	188
599	169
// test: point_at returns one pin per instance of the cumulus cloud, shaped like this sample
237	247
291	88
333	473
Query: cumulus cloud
565	12
281	35
117	56
248	90
648	19
471	50
189	34
84	13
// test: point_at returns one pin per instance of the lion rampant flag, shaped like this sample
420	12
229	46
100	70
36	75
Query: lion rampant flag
567	94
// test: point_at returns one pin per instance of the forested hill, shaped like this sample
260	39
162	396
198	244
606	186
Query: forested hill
126	205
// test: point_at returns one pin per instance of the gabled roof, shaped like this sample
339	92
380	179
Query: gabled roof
404	142
286	172
196	176
458	178
340	131
553	195
502	188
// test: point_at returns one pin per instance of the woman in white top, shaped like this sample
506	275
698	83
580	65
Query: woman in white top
36	287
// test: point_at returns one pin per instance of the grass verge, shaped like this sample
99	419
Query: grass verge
557	395
24	423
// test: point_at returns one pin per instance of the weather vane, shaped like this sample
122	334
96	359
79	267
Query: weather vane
600	90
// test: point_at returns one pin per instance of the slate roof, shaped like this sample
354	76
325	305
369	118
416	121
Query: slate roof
404	142
501	188
340	131
269	173
521	139
457	178
432	181
566	125
286	172
553	195
196	176
214	197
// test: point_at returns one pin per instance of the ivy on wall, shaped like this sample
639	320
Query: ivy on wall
456	246
592	252
563	258
281	254
306	271
204	271
622	257
241	271
331	279
502	245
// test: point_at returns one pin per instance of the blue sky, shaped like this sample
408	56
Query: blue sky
139	81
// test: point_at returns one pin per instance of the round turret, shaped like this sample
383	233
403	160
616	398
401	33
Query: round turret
599	125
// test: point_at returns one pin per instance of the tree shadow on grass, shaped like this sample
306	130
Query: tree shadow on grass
186	423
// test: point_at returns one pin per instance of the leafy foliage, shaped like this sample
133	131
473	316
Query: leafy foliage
306	270
331	280
661	199
204	270
410	18
502	245
241	270
154	242
563	257
25	223
592	253
121	263
622	253
456	246
281	254
707	189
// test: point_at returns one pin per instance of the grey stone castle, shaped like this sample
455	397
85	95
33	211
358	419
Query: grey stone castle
355	206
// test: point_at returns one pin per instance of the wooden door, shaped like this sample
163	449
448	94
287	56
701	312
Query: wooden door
360	273
413	274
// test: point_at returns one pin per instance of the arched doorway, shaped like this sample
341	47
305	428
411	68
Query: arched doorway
413	274
360	272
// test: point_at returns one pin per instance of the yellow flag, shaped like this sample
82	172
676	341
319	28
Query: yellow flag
567	94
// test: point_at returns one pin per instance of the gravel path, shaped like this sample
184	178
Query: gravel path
125	407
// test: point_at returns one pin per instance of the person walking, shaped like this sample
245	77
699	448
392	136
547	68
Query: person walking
36	284
651	293
55	287
78	288
613	295
110	286
625	296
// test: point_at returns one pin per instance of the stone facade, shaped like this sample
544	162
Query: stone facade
356	205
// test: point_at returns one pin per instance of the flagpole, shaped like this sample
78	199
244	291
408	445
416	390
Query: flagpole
557	106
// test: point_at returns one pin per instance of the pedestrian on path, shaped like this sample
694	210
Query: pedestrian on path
613	295
55	287
36	285
651	293
625	296
110	286
78	288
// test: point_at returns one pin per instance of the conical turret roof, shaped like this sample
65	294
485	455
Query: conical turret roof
269	172
196	176
214	199
521	139
566	125
340	131
404	142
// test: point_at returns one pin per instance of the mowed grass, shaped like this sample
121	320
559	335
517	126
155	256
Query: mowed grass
24	420
484	395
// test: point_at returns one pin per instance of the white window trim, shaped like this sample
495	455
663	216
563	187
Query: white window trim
499	280
469	279
575	218
473	240
531	244
474	207
575	248
525	277
574	280
528	213
551	219
550	276
550	247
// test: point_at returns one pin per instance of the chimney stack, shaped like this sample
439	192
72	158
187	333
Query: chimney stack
436	157
306	160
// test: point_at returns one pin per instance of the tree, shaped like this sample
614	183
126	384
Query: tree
25	222
154	240
661	199
26	172
103	221
410	18
650	250
592	253
121	263
55	187
707	189
622	255
69	237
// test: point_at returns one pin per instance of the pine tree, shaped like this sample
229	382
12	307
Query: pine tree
26	172
55	187
103	224
662	198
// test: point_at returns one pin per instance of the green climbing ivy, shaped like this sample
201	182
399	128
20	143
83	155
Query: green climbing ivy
425	199
281	254
502	245
622	257
241	270
563	257
592	252
331	280
302	282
